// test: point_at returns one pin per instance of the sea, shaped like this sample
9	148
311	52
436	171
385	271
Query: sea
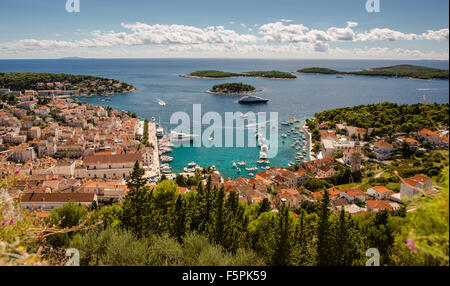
159	79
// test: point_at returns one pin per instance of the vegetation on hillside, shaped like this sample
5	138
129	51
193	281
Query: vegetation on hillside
21	81
221	74
318	70
160	226
387	118
232	88
411	71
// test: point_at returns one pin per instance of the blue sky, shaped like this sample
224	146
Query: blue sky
247	28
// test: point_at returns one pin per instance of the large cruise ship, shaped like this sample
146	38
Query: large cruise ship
252	99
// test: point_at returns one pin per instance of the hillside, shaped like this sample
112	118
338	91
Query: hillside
232	88
21	81
411	71
222	74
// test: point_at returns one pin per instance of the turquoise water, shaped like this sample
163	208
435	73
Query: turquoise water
159	79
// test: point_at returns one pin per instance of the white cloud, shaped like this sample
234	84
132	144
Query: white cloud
277	38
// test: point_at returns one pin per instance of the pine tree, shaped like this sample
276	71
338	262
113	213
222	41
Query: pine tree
341	239
196	209
281	256
134	205
206	213
264	206
381	235
323	232
219	216
179	218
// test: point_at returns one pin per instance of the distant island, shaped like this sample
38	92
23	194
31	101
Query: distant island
222	74
233	89
71	58
65	84
410	71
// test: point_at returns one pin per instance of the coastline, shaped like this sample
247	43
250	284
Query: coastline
229	77
310	141
370	75
106	94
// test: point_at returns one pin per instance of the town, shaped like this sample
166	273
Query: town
62	150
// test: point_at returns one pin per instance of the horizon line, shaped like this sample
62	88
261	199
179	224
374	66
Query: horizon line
220	58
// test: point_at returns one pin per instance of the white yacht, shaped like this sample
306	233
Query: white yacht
176	137
159	132
263	152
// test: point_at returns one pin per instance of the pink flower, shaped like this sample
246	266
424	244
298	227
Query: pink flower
4	222
410	244
17	171
11	221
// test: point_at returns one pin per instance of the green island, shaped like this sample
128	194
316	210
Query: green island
233	88
410	71
222	74
83	85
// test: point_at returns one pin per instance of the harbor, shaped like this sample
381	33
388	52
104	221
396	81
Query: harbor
293	139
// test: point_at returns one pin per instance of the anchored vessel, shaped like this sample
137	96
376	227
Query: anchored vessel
178	138
252	99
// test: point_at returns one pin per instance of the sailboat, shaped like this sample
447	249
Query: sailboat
161	102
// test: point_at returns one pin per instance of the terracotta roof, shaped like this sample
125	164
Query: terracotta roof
300	173
410	182
379	205
288	193
381	189
382	143
353	192
419	178
428	132
105	159
263	174
334	192
57	197
411	140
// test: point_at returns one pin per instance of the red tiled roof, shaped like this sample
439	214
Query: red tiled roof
419	178
381	189
428	132
382	143
104	159
288	193
353	192
410	182
379	205
57	197
411	140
